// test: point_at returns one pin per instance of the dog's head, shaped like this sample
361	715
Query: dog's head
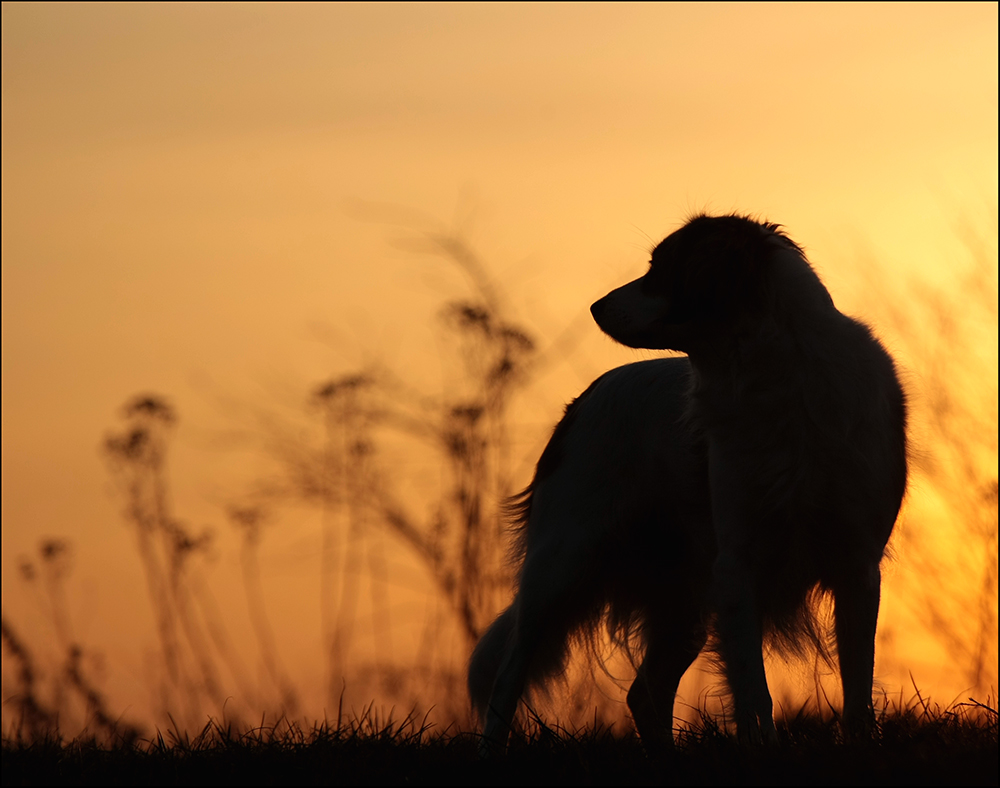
716	277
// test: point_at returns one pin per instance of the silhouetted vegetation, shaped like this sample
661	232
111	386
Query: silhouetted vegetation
915	745
194	644
949	335
55	689
459	533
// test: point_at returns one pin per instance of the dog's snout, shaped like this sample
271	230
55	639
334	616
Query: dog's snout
597	308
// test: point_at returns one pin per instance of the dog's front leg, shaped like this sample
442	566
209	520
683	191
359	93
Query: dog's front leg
740	644
734	583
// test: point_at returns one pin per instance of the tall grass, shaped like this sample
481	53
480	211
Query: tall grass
915	744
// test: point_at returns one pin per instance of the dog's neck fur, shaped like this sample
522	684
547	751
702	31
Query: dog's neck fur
758	362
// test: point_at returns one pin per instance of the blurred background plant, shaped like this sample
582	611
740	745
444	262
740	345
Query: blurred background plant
452	519
195	647
52	692
946	333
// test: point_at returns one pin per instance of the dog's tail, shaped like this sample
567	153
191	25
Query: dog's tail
486	658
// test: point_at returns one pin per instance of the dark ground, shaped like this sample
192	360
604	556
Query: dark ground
910	749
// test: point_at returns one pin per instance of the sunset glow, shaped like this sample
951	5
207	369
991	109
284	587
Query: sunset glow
229	205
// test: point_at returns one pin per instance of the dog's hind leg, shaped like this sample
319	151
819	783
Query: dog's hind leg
673	641
856	601
507	691
555	596
484	665
522	661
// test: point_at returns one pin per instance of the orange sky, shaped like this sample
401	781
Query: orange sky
181	187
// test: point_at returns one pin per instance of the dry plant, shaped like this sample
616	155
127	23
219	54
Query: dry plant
249	522
948	334
339	467
194	643
54	693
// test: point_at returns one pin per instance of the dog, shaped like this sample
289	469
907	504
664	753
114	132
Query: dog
716	498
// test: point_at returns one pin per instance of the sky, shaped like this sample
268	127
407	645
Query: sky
207	201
